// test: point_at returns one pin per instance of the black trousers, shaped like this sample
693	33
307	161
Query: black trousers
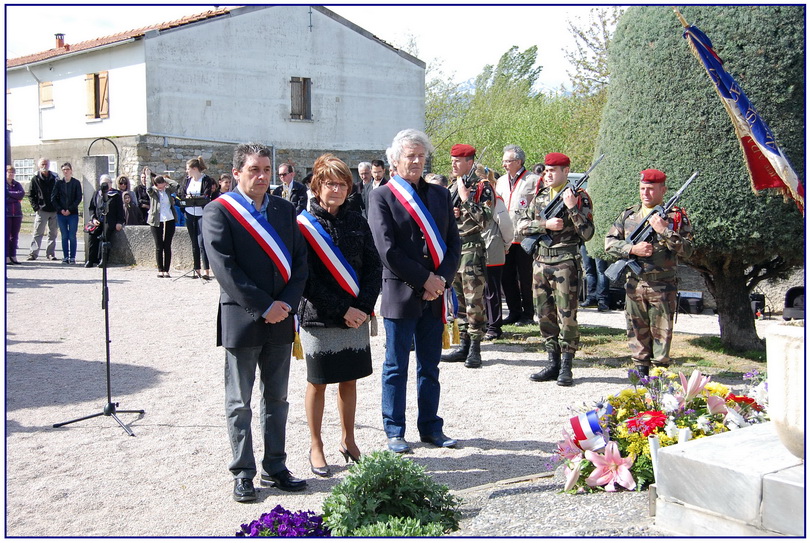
492	298
163	236
517	283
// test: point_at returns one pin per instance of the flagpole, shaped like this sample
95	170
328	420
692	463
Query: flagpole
680	17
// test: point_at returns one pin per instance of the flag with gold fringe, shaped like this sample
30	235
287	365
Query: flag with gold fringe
767	164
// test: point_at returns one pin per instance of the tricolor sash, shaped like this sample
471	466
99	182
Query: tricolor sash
260	229
329	253
404	193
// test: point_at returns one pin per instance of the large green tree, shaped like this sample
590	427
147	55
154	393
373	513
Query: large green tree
663	112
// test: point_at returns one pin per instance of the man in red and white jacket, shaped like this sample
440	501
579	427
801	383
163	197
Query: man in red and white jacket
517	189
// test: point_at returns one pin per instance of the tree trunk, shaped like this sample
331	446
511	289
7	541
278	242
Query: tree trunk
737	322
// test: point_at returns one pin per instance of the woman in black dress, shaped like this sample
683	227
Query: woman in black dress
334	322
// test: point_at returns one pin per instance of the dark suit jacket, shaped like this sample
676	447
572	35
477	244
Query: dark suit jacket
403	251
249	281
298	195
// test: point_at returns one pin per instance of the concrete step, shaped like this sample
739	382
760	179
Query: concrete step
743	482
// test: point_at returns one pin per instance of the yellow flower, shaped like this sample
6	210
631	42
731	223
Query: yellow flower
716	389
672	376
657	371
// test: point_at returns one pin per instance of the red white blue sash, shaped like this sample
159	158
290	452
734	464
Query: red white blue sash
404	193
329	253
262	231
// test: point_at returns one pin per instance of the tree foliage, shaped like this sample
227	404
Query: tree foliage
663	112
589	66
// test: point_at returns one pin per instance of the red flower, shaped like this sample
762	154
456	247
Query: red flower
744	400
646	422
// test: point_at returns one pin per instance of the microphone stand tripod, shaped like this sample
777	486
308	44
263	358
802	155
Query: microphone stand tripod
110	410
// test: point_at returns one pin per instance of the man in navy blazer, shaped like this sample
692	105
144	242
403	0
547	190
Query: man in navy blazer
255	319
290	189
412	302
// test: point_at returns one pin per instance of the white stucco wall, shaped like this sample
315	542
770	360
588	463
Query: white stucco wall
229	79
66	119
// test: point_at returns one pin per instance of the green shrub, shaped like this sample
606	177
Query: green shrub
383	486
400	527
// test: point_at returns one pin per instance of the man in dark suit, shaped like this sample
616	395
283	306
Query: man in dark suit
259	291
414	280
290	189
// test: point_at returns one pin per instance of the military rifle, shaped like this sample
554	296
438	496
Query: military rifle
644	232
555	209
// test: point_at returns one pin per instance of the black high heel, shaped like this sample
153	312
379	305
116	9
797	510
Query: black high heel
346	455
321	471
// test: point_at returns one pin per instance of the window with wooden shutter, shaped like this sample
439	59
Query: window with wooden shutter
46	94
301	98
98	96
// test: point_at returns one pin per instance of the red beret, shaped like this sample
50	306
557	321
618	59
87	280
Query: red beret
462	150
557	159
653	176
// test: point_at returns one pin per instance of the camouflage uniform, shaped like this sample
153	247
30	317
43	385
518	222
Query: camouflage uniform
471	278
557	269
651	299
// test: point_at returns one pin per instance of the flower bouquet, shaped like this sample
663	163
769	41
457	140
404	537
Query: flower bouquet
282	523
656	411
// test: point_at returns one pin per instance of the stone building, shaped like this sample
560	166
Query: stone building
300	79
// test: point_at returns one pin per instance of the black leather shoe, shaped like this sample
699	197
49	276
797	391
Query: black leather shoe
602	307
284	480
524	322
439	440
89	264
243	490
587	302
320	471
398	445
493	335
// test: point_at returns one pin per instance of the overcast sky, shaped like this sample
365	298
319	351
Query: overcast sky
463	37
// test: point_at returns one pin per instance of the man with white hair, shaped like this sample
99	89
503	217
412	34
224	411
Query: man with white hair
417	238
517	188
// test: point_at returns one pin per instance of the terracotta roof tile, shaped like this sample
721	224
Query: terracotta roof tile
121	36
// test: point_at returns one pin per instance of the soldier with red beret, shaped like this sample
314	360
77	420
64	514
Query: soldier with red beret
556	267
651	298
472	200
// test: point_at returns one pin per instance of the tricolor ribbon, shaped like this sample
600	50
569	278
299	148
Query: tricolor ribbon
329	253
260	229
404	193
587	430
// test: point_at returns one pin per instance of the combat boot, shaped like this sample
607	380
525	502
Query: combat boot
460	353
565	378
550	372
474	357
643	371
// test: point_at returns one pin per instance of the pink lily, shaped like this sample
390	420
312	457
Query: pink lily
695	384
568	448
572	473
716	405
610	469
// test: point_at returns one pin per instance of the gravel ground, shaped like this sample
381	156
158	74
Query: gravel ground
172	478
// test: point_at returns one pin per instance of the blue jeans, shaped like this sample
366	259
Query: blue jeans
240	373
68	225
426	334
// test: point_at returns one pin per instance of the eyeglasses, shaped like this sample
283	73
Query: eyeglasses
122	183
283	174
336	186
161	182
